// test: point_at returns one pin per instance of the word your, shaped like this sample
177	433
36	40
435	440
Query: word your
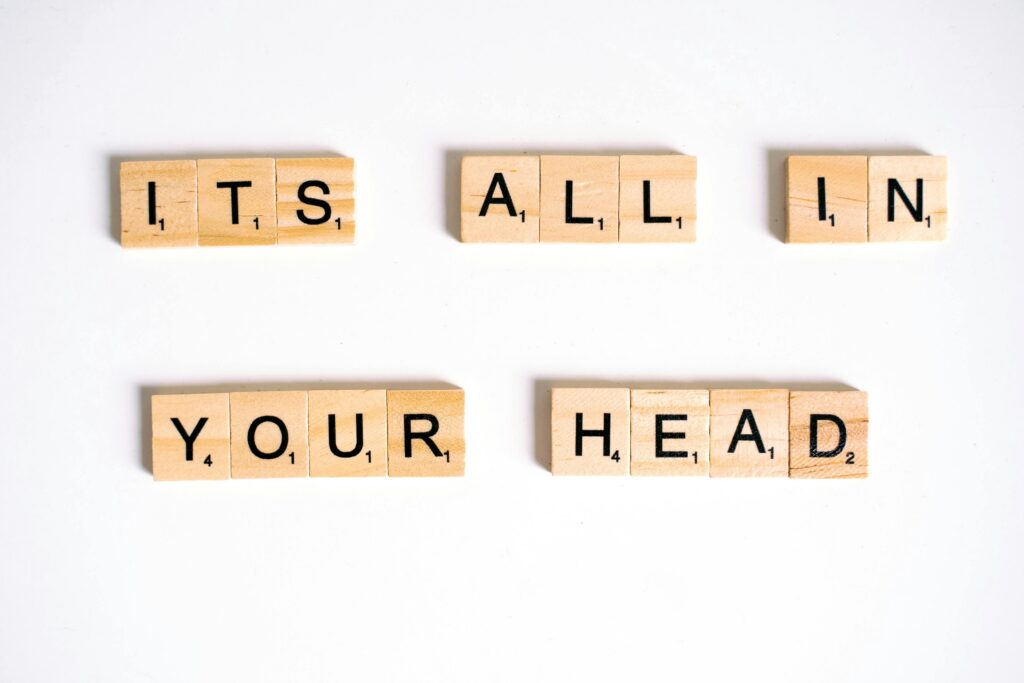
330	433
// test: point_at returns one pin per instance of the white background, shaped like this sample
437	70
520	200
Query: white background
509	574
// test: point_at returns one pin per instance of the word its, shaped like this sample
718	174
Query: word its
721	432
237	201
333	433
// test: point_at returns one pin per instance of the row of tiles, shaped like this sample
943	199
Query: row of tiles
594	431
214	202
652	198
718	432
343	433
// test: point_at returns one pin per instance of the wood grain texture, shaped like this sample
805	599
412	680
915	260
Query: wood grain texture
360	433
255	221
438	416
205	420
311	176
672	189
907	171
841	447
685	433
595	197
845	181
601	409
517	218
285	452
738	411
175	219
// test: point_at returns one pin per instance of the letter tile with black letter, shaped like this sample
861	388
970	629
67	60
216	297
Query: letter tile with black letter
828	434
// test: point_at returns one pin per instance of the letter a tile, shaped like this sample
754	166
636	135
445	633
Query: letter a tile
500	199
750	433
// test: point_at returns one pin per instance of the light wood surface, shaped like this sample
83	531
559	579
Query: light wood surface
843	217
174	214
595	196
671	181
735	412
202	420
907	171
604	410
842	451
437	416
284	455
255	221
324	181
682	419
360	419
512	216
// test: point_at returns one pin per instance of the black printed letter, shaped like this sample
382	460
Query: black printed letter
313	201
424	436
498	182
755	434
252	437
234	185
332	437
916	211
840	425
659	435
190	439
605	432
648	218
569	218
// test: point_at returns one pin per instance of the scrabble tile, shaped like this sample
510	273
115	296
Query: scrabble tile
750	433
579	199
191	436
828	434
269	434
589	431
158	204
500	199
425	437
348	433
316	201
669	432
907	198
657	198
237	203
827	199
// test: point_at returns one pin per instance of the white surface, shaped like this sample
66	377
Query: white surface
509	574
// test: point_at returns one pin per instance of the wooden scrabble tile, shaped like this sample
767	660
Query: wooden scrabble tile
269	434
316	201
657	198
907	198
827	199
589	431
348	433
191	436
669	432
500	199
579	199
425	437
828	434
158	204
237	203
749	433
